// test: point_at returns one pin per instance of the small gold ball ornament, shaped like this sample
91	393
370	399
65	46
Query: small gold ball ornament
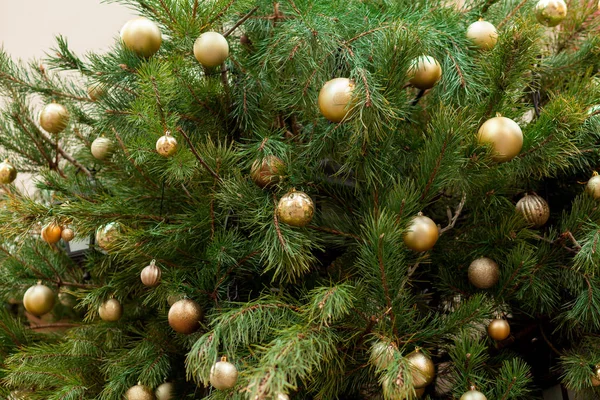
282	396
166	145
185	316
267	172
422	369
503	135
596	376
296	209
111	310
39	299
534	209
165	391
335	99
151	274
211	49
51	233
482	34
499	329
425	72
106	235
484	273
422	234
54	118
95	91
223	375
550	12
593	186
67	234
139	392
8	173
141	36
473	395
102	148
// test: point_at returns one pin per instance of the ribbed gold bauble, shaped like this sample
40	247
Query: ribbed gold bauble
267	172
111	310
139	392
295	208
102	148
95	91
141	36
596	376
106	235
499	329
165	391
39	299
185	316
473	395
51	233
151	274
422	369
482	34
422	234
211	49
593	186
67	234
534	209
503	135
54	118
335	99
425	72
484	273
550	12
166	145
223	375
8	173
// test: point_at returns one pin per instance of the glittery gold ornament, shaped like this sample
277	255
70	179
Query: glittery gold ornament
51	233
484	273
335	99
141	36
295	208
139	392
165	391
504	137
185	316
151	274
8	173
39	299
499	329
596	376
106	236
267	172
534	209
223	375
593	186
422	369
473	395
111	310
550	12
422	233
166	145
425	72
54	118
67	234
482	34
102	148
211	49
95	91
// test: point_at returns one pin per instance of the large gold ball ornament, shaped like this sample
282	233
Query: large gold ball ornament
504	137
425	72
223	375
54	118
499	329
102	148
593	186
550	12
51	233
165	391
185	316
211	49
482	34
534	209
267	172
484	273
473	395
67	234
8	173
95	91
141	36
596	376
335	99
111	310
422	234
422	369
151	274
106	235
39	299
296	209
166	145
139	392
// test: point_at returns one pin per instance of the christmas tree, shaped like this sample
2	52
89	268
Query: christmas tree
307	199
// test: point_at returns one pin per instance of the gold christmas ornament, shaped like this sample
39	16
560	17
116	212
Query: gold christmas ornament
550	12
141	36
296	209
422	234
67	234
106	235
504	137
102	148
484	273
596	376
211	49
499	329
95	91
473	395
534	209
482	34
185	316
268	172
39	300
111	310
282	396
166	145
139	392
8	173
425	72
223	375
593	186
51	233
422	369
382	354
335	99
151	274
165	391
54	118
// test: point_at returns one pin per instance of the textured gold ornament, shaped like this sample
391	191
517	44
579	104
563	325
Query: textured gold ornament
102	148
335	99
422	369
8	173
54	118
425	72
106	235
504	137
296	209
51	233
267	172
499	329
185	316
95	91
141	36
111	310
39	299
473	395
67	234
211	49
484	273
482	34
166	145
550	12
593	186
151	274
165	391
223	375
534	209
596	376
139	392
422	234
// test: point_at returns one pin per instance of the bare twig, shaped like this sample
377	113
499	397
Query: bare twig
452	219
511	14
198	157
241	21
276	221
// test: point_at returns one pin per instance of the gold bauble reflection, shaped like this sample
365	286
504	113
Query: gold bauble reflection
483	35
473	395
211	49
223	375
267	172
102	148
534	209
165	391
335	99
484	273
499	329
139	392
67	234
425	72
8	173
296	209
550	12
106	235
111	310
39	300
54	118
593	186
503	135
422	234
141	36
150	275
166	145
422	369
596	376
185	316
95	91
51	233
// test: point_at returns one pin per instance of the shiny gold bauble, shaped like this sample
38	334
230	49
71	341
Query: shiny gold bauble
67	234
139	392
141	36
267	172
165	391
296	209
484	273
422	369
282	396
39	299
473	395
51	233
596	376
335	99
111	310
593	186
504	137
106	235
150	275
422	234
223	375
550	12
102	148
185	316
211	49
425	72
8	173
482	34
498	329
95	91
54	118
166	145
534	209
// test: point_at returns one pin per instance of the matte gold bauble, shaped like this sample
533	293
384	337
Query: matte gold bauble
484	273
39	299
267	172
596	376
166	145
211	49
422	369
335	99
151	274
593	186
223	375
473	395
296	209
482	34
111	310
534	209
550	12
51	233
106	235
67	234
166	391
95	91
185	316
54	118
504	137
422	234
499	329
139	392
425	72
8	173
141	36
102	148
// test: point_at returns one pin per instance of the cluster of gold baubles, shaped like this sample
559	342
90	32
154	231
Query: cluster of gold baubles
53	232
165	391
